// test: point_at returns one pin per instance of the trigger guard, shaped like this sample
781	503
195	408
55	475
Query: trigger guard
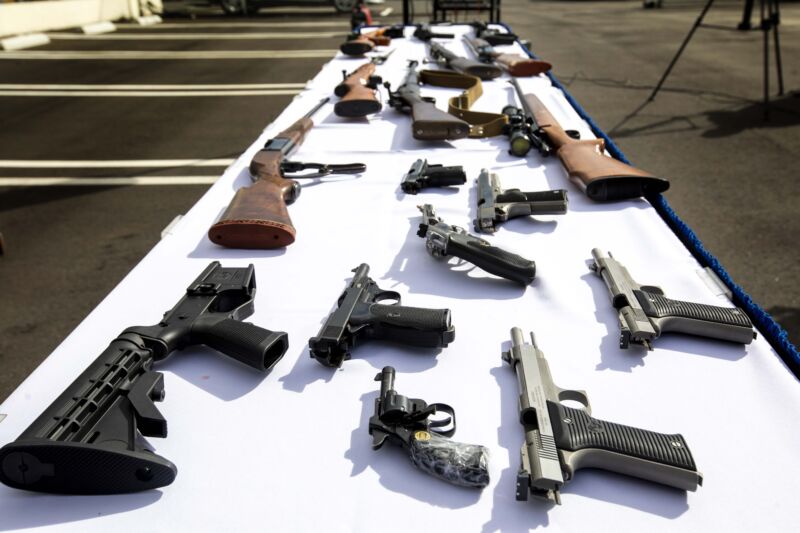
387	295
575	396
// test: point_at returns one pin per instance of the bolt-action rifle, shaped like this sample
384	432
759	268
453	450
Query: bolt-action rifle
516	65
89	441
257	216
601	177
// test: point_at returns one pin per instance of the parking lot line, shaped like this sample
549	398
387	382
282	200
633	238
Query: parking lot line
286	24
127	180
168	55
150	94
195	36
117	163
146	87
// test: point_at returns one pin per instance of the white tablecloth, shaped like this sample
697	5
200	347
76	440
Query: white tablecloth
290	451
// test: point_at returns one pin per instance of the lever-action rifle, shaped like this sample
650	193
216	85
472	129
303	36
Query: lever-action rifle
461	64
601	177
645	313
89	441
516	65
358	43
428	123
560	440
406	421
257	215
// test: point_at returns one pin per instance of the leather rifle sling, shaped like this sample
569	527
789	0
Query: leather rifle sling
481	124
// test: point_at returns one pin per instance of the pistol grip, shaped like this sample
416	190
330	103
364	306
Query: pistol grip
415	326
492	259
256	347
466	465
587	442
725	323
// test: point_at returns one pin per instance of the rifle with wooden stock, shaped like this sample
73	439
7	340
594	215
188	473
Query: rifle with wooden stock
601	177
359	43
461	64
358	90
257	217
514	64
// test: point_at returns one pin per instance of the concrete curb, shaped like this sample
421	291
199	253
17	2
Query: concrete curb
18	42
98	27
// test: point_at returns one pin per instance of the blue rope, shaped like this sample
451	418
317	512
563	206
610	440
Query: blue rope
772	331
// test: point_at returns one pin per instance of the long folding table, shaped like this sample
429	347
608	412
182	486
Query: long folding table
290	451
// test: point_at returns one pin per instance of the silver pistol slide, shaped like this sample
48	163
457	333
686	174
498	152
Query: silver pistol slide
560	440
645	313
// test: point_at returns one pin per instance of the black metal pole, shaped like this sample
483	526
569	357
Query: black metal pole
697	24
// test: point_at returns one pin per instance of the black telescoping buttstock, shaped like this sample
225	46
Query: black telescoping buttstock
360	315
89	440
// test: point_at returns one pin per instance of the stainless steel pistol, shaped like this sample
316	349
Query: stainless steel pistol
645	313
560	440
496	205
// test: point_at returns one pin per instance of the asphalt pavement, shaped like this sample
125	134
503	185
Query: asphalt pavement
182	99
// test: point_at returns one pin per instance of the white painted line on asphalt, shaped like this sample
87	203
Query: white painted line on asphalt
97	28
171	55
148	20
132	180
19	42
114	163
147	87
287	25
196	36
125	94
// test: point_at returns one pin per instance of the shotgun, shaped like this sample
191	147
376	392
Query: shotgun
257	217
601	177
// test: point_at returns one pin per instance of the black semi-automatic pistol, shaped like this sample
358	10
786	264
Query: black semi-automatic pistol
442	240
406	421
560	440
645	313
496	205
360	315
422	175
89	441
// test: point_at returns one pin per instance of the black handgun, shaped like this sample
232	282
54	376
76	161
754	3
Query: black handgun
89	441
422	175
359	315
405	421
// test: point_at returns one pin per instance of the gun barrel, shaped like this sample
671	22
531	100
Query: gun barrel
386	377
317	107
517	338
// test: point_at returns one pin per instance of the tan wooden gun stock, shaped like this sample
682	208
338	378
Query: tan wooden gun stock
600	177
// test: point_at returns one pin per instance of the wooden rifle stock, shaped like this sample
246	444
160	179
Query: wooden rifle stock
362	43
521	67
357	94
257	217
601	177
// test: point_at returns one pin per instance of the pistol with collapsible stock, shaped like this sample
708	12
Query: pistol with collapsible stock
461	64
560	440
257	216
90	439
359	43
645	313
428	123
514	64
601	177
